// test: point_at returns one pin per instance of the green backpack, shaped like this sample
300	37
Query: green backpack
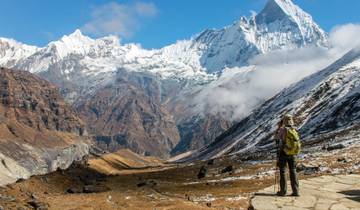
292	142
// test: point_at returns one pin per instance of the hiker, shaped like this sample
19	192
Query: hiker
289	148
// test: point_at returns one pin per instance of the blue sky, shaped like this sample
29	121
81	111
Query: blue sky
153	24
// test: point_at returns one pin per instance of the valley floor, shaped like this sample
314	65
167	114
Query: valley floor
228	183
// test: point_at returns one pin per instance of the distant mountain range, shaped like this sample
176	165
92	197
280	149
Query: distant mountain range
155	86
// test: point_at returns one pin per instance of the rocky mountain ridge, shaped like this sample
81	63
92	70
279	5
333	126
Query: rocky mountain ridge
325	106
39	132
127	113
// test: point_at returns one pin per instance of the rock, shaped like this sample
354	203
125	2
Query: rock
211	162
7	198
343	160
307	169
44	179
109	199
20	180
33	196
202	173
228	169
38	205
335	147
1	208
74	190
95	188
101	179
141	184
150	183
88	180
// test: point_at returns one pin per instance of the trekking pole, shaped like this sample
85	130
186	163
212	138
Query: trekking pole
277	163
275	182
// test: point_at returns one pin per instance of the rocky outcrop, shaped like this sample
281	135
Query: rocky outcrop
199	131
33	102
127	113
39	132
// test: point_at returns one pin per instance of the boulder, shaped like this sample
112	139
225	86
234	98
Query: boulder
228	169
150	183
73	190
38	205
307	169
95	188
211	162
343	160
335	147
202	173
87	180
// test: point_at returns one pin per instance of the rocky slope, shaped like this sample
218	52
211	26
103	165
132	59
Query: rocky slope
199	131
127	113
326	107
82	66
39	132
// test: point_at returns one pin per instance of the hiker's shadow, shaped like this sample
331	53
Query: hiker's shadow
265	194
352	194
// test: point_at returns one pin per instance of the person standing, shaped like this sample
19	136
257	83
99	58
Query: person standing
289	148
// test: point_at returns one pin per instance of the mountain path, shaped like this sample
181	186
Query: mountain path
340	192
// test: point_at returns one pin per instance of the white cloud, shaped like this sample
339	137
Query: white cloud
145	9
345	37
239	90
119	19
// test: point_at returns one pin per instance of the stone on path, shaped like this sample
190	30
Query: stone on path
321	193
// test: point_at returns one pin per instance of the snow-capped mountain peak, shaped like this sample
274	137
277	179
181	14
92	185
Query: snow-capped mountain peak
279	13
75	43
11	51
281	25
78	34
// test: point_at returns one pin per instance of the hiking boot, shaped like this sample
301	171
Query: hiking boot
279	193
295	194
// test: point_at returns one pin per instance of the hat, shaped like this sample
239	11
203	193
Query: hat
288	120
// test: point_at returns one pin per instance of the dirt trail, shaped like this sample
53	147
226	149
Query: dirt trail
321	193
